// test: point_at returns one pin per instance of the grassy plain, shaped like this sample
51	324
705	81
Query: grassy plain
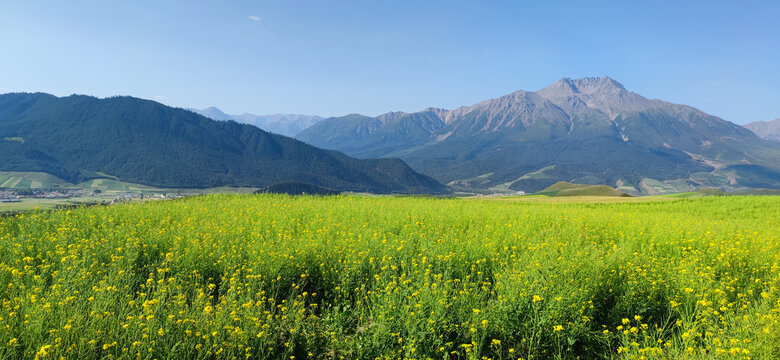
562	188
29	204
30	180
277	277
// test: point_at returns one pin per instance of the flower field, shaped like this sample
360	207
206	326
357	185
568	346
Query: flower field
280	277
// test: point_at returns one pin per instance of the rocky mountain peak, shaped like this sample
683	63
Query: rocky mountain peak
767	130
388	117
520	108
566	87
562	87
212	113
602	93
590	85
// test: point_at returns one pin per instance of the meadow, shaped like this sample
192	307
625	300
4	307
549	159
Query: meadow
354	277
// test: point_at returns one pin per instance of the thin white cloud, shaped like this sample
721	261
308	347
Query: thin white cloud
254	18
160	98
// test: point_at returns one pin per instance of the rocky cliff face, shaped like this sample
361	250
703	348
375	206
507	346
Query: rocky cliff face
604	94
767	130
590	130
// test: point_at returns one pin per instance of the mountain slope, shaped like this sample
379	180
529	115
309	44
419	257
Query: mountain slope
362	135
141	141
282	124
589	130
563	188
767	130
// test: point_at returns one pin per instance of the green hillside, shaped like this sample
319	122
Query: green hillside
116	185
78	138
563	188
762	192
695	194
30	180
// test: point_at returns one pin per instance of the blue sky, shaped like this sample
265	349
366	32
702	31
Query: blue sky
337	57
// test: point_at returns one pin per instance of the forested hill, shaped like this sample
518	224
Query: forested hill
142	141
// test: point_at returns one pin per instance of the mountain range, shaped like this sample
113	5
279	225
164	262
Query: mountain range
587	131
283	124
767	130
584	131
77	138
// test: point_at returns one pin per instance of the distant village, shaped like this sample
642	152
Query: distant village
10	195
16	196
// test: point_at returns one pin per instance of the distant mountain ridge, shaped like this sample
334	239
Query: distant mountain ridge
589	130
767	130
77	138
282	124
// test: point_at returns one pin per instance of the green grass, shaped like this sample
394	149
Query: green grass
38	180
23	184
271	276
628	189
563	188
116	186
30	180
655	187
763	192
534	175
477	180
30	204
538	174
695	194
111	185
562	185
709	179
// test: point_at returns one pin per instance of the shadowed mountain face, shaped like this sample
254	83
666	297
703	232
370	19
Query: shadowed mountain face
282	124
767	130
146	142
589	130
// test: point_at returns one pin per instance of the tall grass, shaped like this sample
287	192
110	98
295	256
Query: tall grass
266	276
